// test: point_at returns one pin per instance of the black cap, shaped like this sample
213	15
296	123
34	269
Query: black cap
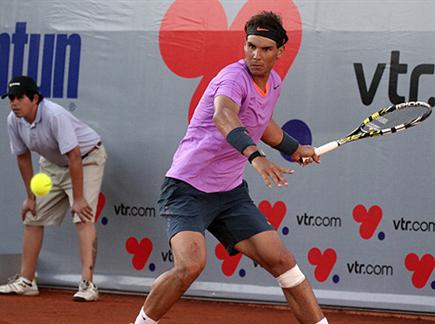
20	86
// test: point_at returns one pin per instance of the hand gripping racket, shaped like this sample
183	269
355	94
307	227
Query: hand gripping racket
388	120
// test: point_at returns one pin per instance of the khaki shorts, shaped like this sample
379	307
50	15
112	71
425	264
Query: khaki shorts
52	208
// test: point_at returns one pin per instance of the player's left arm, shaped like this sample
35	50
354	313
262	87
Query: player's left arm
227	121
275	137
80	204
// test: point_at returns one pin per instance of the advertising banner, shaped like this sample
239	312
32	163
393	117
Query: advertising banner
361	224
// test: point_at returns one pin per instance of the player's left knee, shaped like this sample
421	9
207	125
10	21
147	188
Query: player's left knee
291	278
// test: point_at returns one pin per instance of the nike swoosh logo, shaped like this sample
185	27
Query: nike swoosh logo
262	29
276	87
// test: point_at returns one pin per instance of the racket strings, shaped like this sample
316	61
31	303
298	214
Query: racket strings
392	120
386	121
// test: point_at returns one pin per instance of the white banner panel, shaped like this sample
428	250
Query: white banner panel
361	224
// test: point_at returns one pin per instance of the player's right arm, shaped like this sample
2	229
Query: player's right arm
226	119
275	137
24	162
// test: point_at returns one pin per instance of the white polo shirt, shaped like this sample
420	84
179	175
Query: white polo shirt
54	132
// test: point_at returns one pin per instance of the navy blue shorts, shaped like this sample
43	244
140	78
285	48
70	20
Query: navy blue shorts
230	216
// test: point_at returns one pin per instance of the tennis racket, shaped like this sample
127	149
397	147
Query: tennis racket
388	120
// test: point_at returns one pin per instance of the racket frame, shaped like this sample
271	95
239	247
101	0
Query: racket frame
360	132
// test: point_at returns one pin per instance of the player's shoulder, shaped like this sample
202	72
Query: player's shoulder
275	81
234	74
235	70
274	76
240	65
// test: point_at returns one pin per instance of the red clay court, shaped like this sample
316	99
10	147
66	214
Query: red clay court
55	306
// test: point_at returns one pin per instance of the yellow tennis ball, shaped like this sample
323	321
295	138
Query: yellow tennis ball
40	184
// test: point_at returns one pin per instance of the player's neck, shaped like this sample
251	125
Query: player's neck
261	82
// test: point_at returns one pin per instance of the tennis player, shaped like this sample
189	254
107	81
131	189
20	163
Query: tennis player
204	187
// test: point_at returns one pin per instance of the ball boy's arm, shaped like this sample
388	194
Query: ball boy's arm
80	205
25	166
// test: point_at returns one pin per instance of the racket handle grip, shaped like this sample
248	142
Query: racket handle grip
328	147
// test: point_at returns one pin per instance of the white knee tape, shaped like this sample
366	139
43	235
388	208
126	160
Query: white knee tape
291	278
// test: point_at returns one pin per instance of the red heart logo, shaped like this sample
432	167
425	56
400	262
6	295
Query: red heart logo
369	220
195	40
100	205
324	262
141	251
274	214
422	268
229	263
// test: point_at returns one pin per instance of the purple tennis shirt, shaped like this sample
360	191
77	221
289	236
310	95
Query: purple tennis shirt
204	159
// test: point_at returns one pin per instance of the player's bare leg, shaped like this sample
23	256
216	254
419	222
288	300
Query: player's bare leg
268	250
189	252
32	243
